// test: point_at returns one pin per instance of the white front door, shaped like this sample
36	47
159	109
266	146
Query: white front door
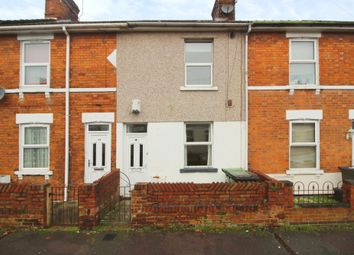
97	151
136	153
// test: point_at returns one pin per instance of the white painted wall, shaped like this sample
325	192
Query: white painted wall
165	143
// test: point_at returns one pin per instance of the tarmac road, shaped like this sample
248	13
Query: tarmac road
168	243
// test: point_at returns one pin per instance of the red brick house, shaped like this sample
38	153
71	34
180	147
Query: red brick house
58	111
301	99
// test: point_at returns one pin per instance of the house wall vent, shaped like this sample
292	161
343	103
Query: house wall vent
5	179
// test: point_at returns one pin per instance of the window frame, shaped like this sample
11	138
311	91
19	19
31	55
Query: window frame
312	61
23	146
315	144
24	65
187	64
209	144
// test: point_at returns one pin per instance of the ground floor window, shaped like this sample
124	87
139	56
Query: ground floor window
35	147
198	145
304	145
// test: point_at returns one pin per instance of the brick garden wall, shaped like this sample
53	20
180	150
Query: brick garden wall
223	204
23	205
94	199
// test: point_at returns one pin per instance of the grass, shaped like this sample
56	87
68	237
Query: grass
315	199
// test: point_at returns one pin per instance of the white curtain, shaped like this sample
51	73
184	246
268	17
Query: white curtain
35	157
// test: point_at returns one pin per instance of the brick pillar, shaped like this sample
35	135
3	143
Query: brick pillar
348	193
138	203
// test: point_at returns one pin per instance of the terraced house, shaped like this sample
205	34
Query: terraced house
58	111
179	87
301	100
167	101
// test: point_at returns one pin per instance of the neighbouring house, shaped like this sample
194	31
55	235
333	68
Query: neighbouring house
181	99
301	100
58	113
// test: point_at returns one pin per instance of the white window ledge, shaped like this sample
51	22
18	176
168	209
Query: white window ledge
304	172
304	115
199	88
39	172
94	117
34	118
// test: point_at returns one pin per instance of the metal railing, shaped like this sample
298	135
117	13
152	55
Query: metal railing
315	194
64	213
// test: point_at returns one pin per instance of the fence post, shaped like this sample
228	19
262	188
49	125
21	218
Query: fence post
48	191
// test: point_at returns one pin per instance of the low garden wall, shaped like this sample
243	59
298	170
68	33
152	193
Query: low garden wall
267	201
95	198
23	204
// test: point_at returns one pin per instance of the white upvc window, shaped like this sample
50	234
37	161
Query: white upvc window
35	64
198	59
198	145
304	151
34	148
303	63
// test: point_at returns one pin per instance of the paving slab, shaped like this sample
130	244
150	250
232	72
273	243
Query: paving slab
154	243
322	242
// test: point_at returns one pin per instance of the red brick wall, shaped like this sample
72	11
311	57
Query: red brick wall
89	64
268	127
89	68
23	205
224	204
95	198
268	59
9	62
336	52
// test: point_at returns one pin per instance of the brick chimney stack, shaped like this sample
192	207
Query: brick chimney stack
61	10
224	10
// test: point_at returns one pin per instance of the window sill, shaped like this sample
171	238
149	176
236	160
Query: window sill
198	170
304	172
199	89
34	89
46	173
304	87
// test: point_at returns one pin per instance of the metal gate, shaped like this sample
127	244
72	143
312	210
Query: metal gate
64	213
119	212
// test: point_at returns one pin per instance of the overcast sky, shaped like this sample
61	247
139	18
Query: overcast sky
188	9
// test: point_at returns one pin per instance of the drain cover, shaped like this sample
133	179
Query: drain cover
109	237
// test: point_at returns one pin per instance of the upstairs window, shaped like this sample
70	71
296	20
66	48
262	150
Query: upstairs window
198	63
303	62
35	63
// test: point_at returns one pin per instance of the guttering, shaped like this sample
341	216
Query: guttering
67	113
246	93
303	28
125	26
